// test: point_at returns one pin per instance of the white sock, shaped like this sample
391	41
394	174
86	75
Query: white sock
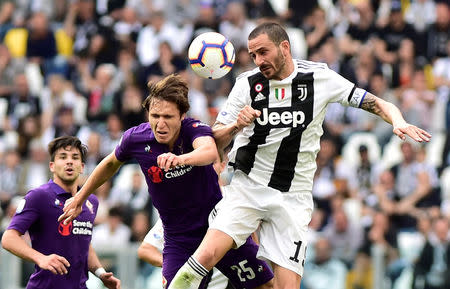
189	276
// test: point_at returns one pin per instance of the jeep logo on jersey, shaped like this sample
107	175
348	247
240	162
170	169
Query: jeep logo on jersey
281	117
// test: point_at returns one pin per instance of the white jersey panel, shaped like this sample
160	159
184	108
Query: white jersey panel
155	236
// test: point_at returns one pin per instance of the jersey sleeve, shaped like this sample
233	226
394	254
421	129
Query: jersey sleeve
155	236
122	152
238	98
342	90
27	211
194	128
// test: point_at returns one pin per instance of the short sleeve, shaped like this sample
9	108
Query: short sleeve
121	152
194	128
27	211
238	98
155	236
340	89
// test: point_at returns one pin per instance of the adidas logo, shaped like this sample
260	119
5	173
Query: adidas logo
259	97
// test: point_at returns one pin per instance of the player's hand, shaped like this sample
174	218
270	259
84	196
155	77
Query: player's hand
110	281
54	263
417	134
72	208
246	116
169	160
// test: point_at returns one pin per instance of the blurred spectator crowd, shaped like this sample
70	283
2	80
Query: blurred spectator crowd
81	67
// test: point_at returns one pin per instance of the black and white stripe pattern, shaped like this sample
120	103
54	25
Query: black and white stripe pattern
197	267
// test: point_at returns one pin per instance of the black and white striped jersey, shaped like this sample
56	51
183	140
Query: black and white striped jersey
279	149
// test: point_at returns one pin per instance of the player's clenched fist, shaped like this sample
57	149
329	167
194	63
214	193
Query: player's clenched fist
246	116
169	160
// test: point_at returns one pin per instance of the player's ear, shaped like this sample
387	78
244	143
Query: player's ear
183	116
285	47
51	165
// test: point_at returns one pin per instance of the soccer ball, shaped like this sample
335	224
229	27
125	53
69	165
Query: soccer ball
211	55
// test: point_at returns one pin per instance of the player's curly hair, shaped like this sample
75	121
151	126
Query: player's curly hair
65	142
172	88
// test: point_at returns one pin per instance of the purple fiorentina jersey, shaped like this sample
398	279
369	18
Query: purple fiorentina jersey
185	195
38	214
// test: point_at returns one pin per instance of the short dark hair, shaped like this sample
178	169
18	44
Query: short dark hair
274	31
172	88
66	141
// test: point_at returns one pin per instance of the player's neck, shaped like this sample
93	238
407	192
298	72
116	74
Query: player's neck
287	70
68	187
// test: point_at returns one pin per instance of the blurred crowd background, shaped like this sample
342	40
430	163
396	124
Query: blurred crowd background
81	67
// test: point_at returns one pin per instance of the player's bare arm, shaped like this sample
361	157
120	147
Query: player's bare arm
204	153
150	254
391	114
104	171
13	242
224	134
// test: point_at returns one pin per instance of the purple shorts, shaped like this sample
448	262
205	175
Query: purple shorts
240	266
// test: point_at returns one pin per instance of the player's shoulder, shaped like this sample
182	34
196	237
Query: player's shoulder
192	124
93	199
41	192
307	65
135	132
243	77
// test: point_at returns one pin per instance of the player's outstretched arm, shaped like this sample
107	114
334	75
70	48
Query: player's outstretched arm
391	114
96	268
104	171
13	242
150	254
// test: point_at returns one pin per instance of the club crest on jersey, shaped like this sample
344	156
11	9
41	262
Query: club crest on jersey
147	149
302	91
258	87
280	93
90	206
155	174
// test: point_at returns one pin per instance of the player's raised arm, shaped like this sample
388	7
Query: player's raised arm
224	134
104	171
391	114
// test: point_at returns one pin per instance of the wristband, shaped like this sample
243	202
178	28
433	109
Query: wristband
99	272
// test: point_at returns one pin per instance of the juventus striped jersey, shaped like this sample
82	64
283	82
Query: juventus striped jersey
279	149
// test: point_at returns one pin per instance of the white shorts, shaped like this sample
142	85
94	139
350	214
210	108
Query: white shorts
281	219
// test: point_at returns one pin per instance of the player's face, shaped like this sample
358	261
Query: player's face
67	165
269	57
165	121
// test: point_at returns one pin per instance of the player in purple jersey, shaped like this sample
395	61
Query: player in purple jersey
275	114
62	252
176	154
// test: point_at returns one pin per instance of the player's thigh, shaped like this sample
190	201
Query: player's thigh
236	214
283	233
242	267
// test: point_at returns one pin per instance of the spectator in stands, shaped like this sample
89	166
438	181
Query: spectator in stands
324	271
140	225
235	24
421	14
347	237
10	172
166	64
360	30
130	110
21	103
113	233
437	35
417	102
111	134
432	270
259	10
